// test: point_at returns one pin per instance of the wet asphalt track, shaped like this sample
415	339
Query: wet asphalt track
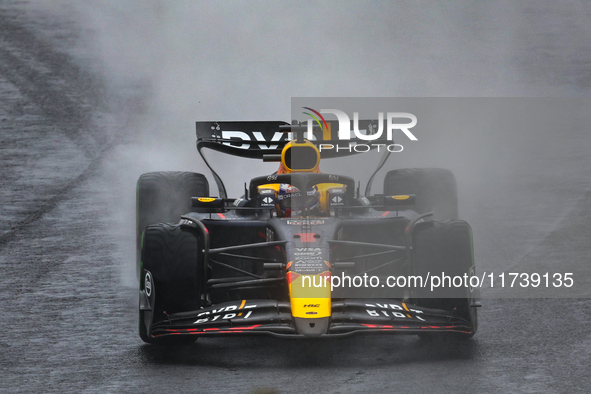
68	320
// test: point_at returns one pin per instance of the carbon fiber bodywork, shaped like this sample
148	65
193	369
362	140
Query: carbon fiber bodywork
274	318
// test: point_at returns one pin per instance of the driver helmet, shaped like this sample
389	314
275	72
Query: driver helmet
292	203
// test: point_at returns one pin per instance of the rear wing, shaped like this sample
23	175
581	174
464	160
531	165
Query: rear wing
257	138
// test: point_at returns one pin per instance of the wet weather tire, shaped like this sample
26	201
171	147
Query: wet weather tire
446	247
172	266
162	197
435	190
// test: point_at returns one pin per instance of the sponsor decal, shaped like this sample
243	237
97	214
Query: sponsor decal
308	252
205	199
267	197
337	199
309	266
185	222
289	195
242	138
400	197
300	222
392	310
309	260
225	313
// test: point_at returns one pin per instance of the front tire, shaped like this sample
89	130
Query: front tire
162	197
172	276
446	247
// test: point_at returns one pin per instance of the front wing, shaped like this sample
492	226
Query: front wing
349	316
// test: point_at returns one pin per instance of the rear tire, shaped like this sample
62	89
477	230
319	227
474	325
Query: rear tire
435	190
162	197
446	247
171	260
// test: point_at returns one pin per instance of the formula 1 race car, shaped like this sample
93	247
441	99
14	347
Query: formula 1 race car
268	261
